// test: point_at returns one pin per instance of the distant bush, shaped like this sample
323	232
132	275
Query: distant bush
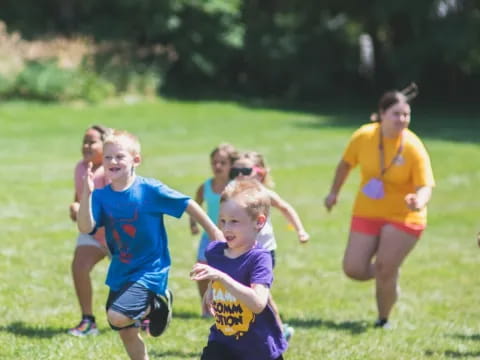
47	81
63	69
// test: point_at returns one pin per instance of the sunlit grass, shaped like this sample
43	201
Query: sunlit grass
437	316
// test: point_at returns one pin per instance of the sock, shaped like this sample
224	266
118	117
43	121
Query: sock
381	322
88	317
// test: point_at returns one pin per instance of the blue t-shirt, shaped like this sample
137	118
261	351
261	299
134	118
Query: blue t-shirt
135	231
249	335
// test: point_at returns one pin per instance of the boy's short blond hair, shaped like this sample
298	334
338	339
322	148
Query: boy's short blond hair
252	195
124	138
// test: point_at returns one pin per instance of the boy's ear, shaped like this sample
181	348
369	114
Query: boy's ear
137	159
261	220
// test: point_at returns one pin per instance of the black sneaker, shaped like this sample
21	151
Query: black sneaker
161	315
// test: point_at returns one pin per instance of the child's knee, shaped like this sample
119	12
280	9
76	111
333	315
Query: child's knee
117	320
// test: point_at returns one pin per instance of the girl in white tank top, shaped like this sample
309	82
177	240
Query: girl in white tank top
252	165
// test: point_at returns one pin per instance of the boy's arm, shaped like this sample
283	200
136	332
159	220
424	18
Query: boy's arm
290	214
254	297
195	211
85	221
207	300
199	200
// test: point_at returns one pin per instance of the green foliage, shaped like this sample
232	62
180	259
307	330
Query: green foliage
7	85
46	81
281	49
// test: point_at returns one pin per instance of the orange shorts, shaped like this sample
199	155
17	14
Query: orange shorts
373	226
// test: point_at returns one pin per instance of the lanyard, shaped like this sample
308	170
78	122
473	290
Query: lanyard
384	169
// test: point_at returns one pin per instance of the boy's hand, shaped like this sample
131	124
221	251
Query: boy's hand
88	179
205	272
207	303
303	236
74	210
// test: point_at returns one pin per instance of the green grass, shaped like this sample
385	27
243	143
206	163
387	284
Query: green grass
437	317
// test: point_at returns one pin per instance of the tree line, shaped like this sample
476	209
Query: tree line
298	50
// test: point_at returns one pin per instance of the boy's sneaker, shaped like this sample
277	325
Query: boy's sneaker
161	314
287	331
84	328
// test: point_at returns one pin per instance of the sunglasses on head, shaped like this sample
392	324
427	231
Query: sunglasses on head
234	172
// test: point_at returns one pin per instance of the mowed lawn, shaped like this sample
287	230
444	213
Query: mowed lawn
438	314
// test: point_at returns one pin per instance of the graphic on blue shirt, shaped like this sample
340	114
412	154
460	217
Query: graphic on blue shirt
127	228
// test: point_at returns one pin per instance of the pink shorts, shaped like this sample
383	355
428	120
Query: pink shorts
373	226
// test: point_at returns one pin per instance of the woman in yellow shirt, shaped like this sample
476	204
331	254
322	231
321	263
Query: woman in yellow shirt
389	213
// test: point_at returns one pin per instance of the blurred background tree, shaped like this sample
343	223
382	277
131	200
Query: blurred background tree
295	50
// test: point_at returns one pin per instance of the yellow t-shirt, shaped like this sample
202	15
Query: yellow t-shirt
412	169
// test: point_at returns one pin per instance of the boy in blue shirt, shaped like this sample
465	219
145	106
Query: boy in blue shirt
131	209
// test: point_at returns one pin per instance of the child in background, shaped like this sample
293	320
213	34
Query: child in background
241	275
89	249
251	165
131	209
221	159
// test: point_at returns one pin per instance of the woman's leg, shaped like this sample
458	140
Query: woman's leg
85	258
357	261
393	248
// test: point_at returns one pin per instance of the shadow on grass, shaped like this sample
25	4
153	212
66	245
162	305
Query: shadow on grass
21	329
433	119
169	353
185	314
461	354
428	123
474	337
353	327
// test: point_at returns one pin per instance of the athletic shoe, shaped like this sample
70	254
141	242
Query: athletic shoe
287	331
161	315
84	328
382	324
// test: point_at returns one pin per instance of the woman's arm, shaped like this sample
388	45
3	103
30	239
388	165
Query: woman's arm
418	200
341	174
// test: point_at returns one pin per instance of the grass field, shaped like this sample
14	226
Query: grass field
437	317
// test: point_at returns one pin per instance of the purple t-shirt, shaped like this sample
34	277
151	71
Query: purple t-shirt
249	335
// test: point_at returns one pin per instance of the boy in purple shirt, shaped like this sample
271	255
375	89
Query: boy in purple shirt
240	275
